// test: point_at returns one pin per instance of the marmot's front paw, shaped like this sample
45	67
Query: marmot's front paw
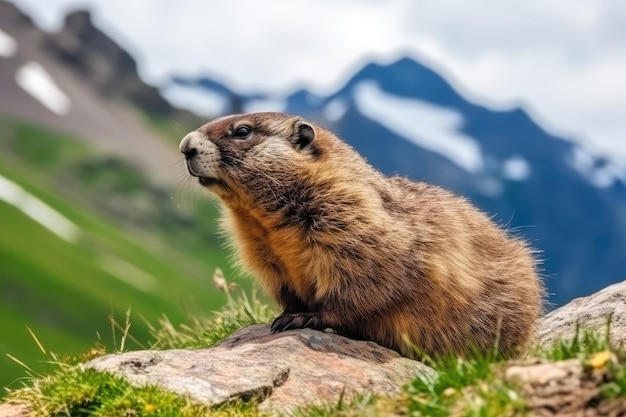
289	321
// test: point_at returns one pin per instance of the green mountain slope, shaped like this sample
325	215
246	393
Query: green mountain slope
133	245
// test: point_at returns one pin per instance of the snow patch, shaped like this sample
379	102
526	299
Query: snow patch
37	82
602	174
8	46
196	98
38	210
335	110
432	127
516	168
265	105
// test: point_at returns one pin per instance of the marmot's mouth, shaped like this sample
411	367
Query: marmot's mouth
204	181
207	181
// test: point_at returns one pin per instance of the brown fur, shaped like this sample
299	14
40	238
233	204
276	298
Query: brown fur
338	245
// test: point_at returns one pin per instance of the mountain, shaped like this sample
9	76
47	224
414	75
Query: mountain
402	116
407	120
91	228
79	81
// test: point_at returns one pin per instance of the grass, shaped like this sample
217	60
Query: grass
85	392
580	346
69	388
476	387
77	391
130	230
205	331
472	387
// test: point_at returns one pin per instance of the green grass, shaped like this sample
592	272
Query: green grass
129	229
476	387
81	392
74	391
472	387
68	388
469	386
205	331
579	347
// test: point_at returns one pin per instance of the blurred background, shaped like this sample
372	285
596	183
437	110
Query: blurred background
518	107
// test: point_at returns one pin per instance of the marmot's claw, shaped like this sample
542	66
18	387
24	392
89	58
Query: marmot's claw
292	321
278	325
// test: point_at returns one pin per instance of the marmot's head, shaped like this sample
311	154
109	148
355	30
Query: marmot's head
249	152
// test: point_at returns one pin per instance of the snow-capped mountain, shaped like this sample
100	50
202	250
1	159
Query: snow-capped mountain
407	120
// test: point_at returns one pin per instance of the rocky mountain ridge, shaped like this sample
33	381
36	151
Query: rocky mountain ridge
104	64
80	82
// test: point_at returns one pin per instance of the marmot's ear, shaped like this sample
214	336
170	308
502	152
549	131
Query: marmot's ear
304	135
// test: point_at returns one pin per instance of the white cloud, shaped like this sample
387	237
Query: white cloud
562	59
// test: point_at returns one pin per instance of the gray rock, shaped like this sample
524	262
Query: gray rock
565	389
279	371
590	312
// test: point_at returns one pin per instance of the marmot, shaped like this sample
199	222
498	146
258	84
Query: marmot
338	245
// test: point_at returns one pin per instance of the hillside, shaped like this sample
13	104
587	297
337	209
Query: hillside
85	237
94	212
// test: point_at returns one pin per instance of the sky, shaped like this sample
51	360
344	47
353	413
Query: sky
564	61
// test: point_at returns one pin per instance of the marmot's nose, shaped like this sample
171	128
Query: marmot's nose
187	147
190	153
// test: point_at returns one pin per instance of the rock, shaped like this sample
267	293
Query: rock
279	371
590	312
15	410
563	388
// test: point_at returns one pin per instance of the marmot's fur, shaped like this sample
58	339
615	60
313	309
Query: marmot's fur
338	245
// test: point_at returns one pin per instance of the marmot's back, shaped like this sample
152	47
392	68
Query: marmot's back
338	245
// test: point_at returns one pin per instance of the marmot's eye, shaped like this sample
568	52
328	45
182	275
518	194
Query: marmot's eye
241	132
